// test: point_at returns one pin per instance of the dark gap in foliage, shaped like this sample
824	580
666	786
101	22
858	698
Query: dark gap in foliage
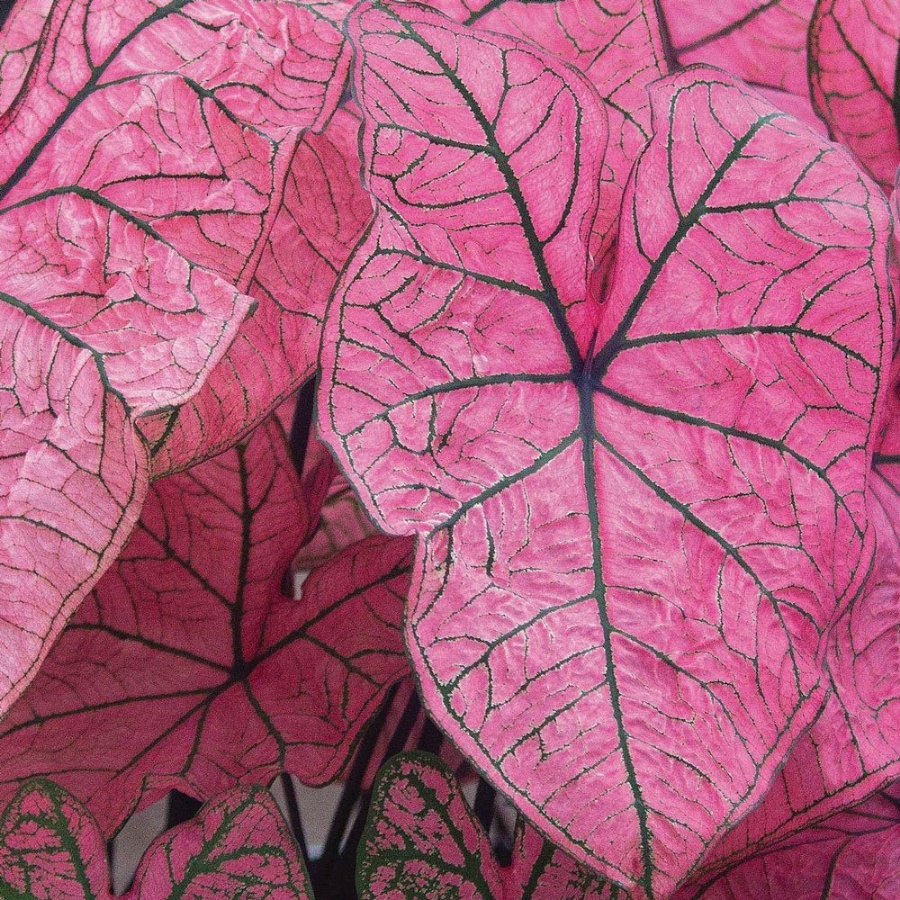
302	423
5	9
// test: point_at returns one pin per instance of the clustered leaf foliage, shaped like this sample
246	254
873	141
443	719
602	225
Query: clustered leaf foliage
592	305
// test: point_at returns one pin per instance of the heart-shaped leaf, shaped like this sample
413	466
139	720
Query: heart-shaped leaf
187	667
854	855
640	518
238	845
124	256
855	79
422	840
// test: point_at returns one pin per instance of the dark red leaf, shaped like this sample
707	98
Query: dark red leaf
639	519
187	668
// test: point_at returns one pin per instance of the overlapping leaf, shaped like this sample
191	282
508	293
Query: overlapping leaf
422	840
143	162
323	212
851	856
641	518
186	667
616	44
855	79
763	41
239	845
851	749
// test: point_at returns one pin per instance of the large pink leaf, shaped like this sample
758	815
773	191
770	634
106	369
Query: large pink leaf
186	667
763	41
143	161
422	840
323	212
673	481
238	845
854	855
855	79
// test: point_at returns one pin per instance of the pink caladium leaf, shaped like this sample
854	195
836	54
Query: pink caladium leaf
21	34
50	847
187	667
422	840
239	845
850	856
851	749
618	47
855	79
124	257
323	212
763	41
626	475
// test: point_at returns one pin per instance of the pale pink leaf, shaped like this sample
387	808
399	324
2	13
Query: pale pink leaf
854	855
855	79
323	212
143	161
629	476
237	846
762	41
422	840
50	847
186	667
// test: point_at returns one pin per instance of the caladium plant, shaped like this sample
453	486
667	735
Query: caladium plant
599	297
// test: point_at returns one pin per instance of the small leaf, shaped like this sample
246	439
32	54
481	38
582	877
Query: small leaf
187	668
237	846
422	840
616	553
50	848
855	79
